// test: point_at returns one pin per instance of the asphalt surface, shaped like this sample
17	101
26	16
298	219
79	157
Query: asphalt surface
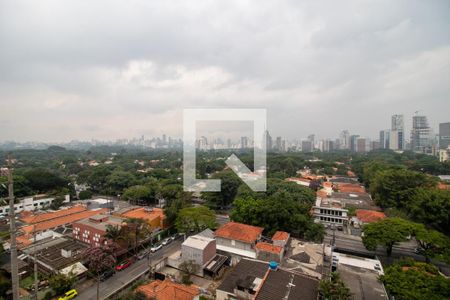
121	278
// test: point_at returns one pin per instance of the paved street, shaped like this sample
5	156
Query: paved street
121	278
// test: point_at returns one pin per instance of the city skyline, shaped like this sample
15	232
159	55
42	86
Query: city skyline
312	68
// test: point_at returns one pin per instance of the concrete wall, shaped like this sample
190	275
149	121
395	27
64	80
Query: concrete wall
235	244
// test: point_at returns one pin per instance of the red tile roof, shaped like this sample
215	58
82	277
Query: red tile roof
240	232
142	213
443	186
266	247
369	216
351	188
168	290
53	223
30	218
280	236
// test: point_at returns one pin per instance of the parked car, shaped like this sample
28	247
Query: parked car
105	275
167	241
142	255
123	265
155	248
69	295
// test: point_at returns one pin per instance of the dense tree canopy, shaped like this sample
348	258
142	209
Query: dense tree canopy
387	233
195	218
409	280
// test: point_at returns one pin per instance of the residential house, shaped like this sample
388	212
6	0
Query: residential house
168	290
269	252
238	240
153	216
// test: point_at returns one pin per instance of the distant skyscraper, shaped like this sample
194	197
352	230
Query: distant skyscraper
384	139
421	135
397	135
344	140
307	146
362	144
244	142
311	138
269	142
444	135
353	145
278	143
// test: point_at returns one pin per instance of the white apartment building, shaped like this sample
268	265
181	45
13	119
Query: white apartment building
30	204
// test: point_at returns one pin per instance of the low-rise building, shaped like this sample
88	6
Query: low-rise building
238	240
281	238
92	230
364	216
269	252
199	249
167	289
31	204
153	216
361	275
253	279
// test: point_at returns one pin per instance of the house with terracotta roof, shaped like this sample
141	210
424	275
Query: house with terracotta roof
280	238
60	222
38	217
153	216
364	216
238	239
168	290
300	181
269	252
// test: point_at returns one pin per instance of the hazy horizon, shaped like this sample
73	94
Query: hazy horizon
107	70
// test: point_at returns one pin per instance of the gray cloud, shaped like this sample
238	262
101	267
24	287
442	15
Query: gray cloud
110	69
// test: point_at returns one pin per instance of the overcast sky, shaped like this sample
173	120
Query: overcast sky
113	69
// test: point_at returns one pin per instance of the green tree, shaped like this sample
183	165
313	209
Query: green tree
432	244
138	192
195	218
394	187
188	268
334	289
411	280
62	283
119	180
229	187
85	195
387	233
100	259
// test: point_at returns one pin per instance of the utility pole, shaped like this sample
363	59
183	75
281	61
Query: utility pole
12	221
36	280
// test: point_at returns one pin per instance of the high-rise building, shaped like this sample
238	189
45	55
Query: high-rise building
397	135
353	145
269	141
278	143
444	135
244	142
311	138
362	144
344	140
421	135
385	139
307	146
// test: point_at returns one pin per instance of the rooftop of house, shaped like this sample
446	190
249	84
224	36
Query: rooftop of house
197	242
280	236
351	188
345	200
343	179
244	269
60	221
266	247
168	290
101	222
50	252
240	232
369	216
284	285
33	218
145	213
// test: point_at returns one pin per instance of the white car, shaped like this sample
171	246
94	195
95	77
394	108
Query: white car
155	248
167	241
